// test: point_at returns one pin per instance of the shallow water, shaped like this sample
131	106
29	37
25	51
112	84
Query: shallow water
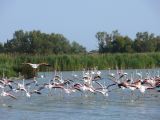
118	105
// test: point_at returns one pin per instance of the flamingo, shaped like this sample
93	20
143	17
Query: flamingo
67	90
7	94
35	66
139	85
83	87
22	87
103	89
7	82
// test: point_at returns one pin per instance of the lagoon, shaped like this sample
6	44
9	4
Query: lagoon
118	105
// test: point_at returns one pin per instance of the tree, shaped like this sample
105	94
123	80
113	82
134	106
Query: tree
113	42
104	41
1	48
76	48
157	43
144	42
36	42
128	48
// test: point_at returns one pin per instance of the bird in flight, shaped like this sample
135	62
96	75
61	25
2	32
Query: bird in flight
35	66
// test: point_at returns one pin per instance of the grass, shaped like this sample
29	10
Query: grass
11	64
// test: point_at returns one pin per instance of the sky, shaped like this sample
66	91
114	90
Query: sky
79	20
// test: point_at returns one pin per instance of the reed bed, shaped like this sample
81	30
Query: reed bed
11	64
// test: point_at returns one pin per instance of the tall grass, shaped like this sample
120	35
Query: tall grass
11	64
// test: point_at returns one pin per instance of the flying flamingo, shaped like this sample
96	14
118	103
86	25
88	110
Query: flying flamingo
35	66
7	94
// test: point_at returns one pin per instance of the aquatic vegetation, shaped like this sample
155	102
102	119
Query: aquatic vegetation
11	64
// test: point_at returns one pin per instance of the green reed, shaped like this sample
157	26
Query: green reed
11	64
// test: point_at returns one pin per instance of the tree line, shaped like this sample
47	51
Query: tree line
36	42
116	43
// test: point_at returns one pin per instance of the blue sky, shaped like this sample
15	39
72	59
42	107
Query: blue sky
79	20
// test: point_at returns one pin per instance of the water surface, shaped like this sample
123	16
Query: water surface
61	106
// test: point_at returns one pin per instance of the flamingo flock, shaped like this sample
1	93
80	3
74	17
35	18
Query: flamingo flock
89	82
